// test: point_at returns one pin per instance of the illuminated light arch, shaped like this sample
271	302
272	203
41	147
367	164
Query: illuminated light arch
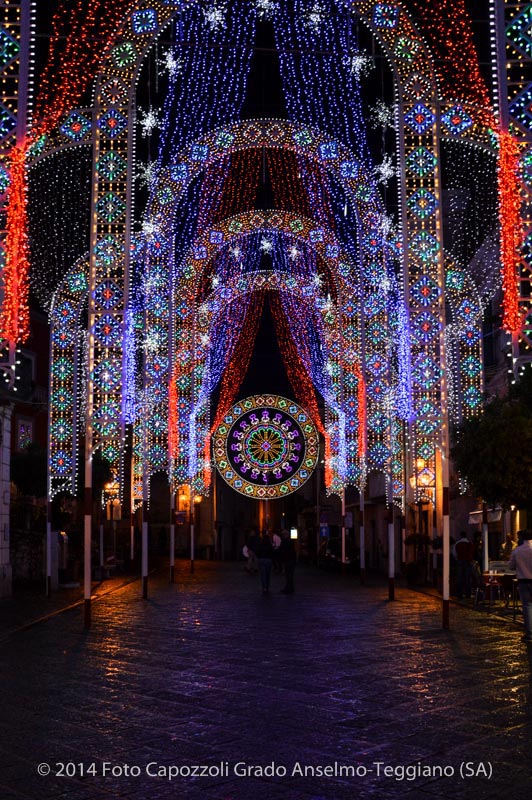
313	145
66	384
66	411
193	453
419	115
344	323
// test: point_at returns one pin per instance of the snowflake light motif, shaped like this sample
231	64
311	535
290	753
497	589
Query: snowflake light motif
386	226
293	253
147	174
315	16
236	252
149	121
171	64
386	170
150	229
317	281
359	64
328	304
266	9
205	340
152	342
266	245
214	16
382	116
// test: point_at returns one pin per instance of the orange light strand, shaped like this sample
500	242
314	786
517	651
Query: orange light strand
511	228
14	315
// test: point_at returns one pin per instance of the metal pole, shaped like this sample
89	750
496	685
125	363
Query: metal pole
214	515
362	543
485	538
172	536
391	553
102	556
446	555
132	535
317	512
88	499
144	549
343	530
87	586
434	553
191	516
48	548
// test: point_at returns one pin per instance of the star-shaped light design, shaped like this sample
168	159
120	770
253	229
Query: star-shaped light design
149	121
382	115
146	174
266	9
214	16
386	170
150	229
359	64
171	64
293	253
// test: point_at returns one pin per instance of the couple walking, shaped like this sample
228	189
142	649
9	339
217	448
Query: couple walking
263	549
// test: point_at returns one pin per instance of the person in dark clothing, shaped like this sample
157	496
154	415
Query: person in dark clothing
463	552
288	560
264	553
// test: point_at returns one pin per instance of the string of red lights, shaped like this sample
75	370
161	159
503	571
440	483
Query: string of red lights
511	228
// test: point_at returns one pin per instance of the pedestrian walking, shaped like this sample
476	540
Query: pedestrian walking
521	562
264	554
250	552
276	543
288	559
463	552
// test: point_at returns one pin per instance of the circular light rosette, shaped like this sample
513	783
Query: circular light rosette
266	447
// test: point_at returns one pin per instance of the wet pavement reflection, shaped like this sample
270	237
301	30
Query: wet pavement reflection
211	690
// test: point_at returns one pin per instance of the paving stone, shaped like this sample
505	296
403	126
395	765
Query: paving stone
208	672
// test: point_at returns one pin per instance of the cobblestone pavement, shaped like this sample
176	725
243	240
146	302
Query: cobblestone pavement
210	673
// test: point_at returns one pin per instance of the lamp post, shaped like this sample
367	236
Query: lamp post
193	506
172	534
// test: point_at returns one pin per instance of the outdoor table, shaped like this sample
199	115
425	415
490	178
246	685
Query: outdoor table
505	580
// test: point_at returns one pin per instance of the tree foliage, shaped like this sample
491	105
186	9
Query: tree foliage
493	452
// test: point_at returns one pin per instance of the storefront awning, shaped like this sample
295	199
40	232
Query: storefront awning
494	515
